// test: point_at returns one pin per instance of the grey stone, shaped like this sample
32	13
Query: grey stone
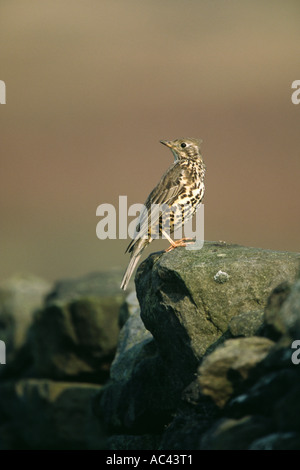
137	395
287	409
223	370
75	335
143	402
188	312
289	314
133	442
133	338
76	339
97	284
277	441
232	434
20	297
247	323
189	424
128	308
264	389
47	415
274	327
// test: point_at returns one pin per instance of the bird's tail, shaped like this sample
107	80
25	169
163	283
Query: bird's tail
136	250
130	268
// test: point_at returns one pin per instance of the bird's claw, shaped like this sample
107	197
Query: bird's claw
182	242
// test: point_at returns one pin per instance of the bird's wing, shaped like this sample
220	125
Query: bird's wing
171	185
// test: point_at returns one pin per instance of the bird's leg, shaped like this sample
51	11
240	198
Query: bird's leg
181	242
173	244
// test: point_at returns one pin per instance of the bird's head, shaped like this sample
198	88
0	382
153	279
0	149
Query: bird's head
184	148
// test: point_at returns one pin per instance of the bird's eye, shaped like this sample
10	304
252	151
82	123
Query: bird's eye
183	145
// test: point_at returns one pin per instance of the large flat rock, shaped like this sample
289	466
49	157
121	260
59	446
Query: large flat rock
188	297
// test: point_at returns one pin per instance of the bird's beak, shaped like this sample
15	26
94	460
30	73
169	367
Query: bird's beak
168	143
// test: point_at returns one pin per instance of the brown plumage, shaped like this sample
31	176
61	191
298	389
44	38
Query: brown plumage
180	188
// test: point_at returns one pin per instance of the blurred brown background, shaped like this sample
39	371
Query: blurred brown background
92	86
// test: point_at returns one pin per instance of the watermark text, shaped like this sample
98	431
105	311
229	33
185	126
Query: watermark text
2	92
296	94
2	353
296	354
114	222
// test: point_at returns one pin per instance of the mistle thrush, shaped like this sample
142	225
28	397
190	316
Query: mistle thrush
178	194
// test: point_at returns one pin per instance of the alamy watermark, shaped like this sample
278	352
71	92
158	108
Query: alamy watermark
2	92
296	94
114	222
2	353
295	356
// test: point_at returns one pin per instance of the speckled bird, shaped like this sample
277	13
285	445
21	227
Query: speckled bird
180	188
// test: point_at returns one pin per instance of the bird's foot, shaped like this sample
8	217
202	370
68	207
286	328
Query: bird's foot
182	242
